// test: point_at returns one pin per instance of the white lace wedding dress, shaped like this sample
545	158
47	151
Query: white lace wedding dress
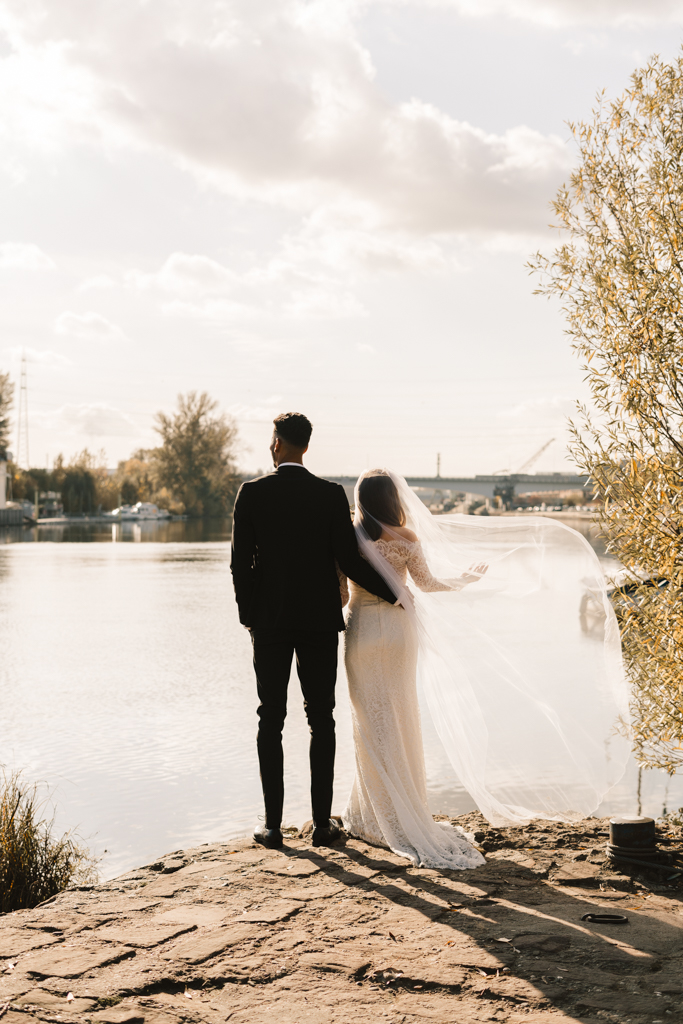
388	802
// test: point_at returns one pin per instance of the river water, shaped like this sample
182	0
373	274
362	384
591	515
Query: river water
126	687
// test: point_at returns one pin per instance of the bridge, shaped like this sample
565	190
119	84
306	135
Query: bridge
505	485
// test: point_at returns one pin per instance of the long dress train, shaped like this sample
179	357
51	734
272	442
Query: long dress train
388	802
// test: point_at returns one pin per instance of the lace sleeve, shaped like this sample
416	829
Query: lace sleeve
419	571
343	586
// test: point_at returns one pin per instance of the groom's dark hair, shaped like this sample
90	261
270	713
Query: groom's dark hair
294	428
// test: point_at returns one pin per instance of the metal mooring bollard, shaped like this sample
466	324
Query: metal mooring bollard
632	837
633	840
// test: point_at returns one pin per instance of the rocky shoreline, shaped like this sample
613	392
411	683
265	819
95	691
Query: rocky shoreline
234	932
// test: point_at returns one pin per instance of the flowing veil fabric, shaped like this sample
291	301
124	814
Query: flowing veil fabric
532	709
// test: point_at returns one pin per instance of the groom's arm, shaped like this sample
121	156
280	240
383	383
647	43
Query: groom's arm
345	547
243	557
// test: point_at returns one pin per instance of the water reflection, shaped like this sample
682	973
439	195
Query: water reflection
588	529
148	531
126	683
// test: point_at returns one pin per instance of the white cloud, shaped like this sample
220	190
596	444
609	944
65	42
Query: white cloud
186	274
265	412
92	419
98	281
42	92
289	285
277	102
323	304
558	13
557	408
214	312
349	236
22	256
88	327
312	274
522	244
45	357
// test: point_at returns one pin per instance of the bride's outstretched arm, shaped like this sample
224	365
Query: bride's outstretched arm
473	575
422	575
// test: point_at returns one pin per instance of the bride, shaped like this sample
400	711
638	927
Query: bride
505	670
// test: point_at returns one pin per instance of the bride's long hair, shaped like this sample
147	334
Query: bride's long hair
379	503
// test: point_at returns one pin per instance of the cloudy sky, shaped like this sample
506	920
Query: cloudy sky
321	205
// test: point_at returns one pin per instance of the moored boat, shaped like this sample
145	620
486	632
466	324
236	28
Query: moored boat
141	510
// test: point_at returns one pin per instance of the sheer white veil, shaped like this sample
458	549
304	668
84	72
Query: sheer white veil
531	707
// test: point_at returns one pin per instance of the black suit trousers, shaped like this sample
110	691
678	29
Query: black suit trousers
316	665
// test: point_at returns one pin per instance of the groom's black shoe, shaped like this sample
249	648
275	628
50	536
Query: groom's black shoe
326	835
270	837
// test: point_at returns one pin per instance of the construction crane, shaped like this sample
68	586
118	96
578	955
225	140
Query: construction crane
534	458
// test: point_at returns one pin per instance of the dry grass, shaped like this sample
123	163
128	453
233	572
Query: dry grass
34	865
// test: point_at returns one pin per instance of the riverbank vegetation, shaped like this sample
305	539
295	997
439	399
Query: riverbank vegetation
192	471
6	403
620	279
34	864
195	461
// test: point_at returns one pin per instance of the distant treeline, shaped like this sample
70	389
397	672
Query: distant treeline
192	472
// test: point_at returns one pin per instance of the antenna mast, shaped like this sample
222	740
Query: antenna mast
22	417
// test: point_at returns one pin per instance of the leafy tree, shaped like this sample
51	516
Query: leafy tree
86	465
25	482
136	478
84	483
129	492
619	275
6	403
195	461
79	494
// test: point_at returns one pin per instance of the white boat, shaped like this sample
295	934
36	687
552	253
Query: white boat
146	510
142	510
124	512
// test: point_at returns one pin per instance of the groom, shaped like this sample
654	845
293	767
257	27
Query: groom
289	529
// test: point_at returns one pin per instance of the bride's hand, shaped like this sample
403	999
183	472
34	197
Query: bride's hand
474	573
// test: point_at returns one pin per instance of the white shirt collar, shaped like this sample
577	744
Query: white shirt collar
291	464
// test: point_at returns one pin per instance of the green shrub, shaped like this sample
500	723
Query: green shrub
34	865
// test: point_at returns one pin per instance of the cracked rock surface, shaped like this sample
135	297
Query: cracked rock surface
235	932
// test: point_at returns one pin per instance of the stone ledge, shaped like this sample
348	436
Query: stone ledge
352	934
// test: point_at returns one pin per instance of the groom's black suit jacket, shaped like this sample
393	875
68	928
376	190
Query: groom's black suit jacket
288	530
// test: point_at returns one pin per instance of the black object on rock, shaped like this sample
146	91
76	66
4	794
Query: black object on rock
635	838
605	918
634	841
